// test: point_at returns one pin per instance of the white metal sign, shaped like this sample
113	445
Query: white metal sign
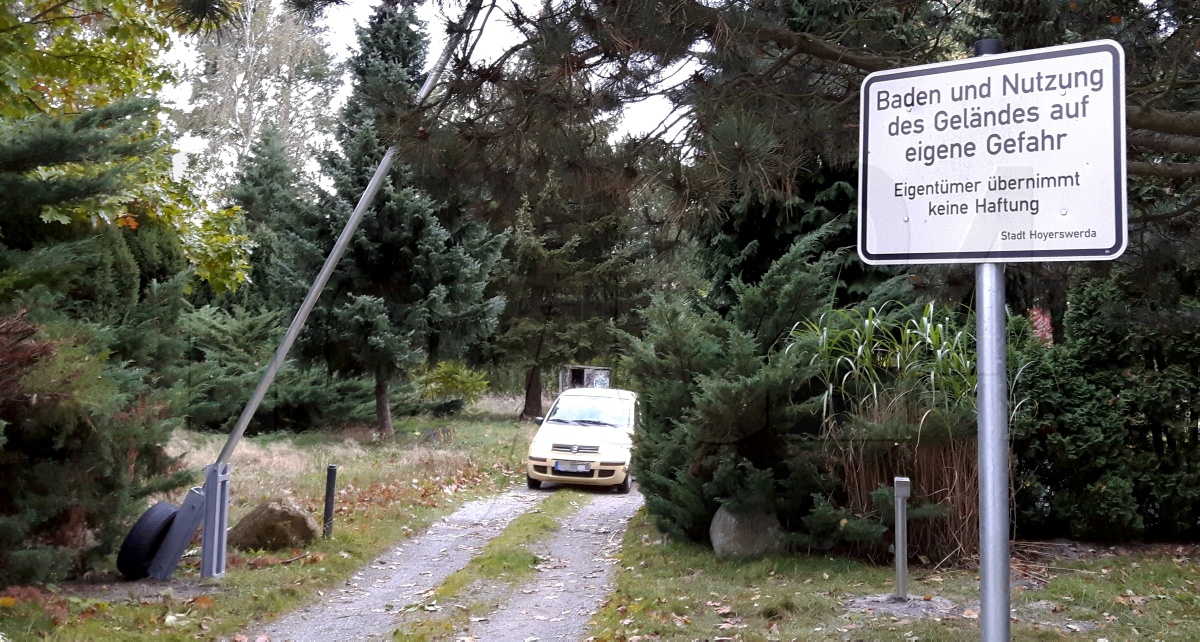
1003	158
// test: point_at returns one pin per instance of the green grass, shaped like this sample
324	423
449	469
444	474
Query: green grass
682	591
386	491
506	558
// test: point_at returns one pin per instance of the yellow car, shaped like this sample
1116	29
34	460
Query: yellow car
585	439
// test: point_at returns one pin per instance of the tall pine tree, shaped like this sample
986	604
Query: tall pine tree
274	203
535	155
411	286
574	272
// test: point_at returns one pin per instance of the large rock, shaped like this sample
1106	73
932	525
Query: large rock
745	534
274	524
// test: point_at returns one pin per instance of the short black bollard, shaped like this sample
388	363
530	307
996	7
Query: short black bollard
330	482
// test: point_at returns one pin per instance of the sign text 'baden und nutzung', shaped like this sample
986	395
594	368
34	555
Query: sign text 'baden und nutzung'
1012	157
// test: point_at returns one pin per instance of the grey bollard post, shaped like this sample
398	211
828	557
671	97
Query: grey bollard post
330	483
216	521
903	489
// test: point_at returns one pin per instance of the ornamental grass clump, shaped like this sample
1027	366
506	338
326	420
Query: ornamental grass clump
898	399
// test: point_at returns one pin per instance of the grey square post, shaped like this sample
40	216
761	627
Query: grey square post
903	489
216	520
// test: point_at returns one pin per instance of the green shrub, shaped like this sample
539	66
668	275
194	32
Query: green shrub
230	352
450	385
1105	445
87	345
726	412
828	527
81	449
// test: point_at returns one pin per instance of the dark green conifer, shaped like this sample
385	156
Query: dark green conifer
87	345
101	143
411	286
276	206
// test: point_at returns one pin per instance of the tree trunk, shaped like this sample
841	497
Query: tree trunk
431	355
383	405
533	393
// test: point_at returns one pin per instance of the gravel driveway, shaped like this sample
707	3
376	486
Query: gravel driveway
575	577
574	580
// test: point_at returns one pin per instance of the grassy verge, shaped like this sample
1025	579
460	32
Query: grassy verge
506	559
672	590
386	491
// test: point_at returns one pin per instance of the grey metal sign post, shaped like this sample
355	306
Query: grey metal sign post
991	370
903	490
1004	157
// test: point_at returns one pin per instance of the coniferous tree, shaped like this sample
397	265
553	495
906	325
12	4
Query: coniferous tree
411	286
535	156
233	335
728	412
273	200
106	140
87	318
573	273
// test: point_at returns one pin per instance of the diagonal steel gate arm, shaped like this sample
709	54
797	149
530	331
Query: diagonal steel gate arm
210	504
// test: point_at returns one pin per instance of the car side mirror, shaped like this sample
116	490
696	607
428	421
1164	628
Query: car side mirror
539	420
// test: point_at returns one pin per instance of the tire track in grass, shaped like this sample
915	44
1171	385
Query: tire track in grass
365	607
572	582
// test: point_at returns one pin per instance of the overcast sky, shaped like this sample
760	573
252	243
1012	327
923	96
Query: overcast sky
498	37
342	21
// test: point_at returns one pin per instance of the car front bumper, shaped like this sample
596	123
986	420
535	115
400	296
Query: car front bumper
598	473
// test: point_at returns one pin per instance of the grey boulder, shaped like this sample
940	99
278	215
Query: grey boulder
745	534
274	524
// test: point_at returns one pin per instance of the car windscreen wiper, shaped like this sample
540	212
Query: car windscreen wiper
594	422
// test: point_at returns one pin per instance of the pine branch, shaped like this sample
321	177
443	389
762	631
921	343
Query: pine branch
713	22
1186	208
1164	122
1164	170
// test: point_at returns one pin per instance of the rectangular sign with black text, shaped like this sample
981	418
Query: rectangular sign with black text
1004	158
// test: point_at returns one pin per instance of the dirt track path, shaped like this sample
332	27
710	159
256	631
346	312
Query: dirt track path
365	607
573	582
574	579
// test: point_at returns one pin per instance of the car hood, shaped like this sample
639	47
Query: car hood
556	433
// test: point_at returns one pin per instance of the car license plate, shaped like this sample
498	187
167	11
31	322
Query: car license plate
572	466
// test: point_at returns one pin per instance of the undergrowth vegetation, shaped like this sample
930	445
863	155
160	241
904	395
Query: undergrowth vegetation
386	491
810	420
678	590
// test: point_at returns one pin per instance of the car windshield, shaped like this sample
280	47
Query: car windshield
591	411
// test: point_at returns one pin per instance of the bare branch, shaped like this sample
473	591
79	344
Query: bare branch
1163	142
1165	170
1166	122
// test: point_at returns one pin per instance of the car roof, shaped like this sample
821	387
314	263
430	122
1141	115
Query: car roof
627	395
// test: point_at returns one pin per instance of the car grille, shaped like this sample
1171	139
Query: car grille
584	475
572	448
